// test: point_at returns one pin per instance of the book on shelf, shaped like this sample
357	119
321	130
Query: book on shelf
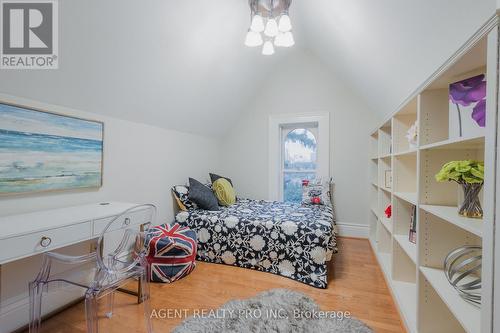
412	237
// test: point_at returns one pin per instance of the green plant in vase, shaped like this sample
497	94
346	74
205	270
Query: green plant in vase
469	174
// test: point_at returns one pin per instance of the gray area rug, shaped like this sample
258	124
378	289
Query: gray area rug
277	310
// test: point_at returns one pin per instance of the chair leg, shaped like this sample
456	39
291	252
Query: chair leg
35	295
111	301
139	291
91	312
145	298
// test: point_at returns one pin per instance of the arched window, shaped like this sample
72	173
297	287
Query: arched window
299	153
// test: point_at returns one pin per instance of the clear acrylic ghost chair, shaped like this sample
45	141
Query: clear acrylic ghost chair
102	273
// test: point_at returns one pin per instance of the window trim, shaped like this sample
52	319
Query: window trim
280	121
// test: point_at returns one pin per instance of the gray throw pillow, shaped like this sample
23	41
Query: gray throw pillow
214	177
202	195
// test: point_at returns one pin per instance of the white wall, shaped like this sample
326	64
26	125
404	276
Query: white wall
141	163
302	84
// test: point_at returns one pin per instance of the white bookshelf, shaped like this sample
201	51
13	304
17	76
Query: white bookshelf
468	315
410	197
414	271
409	248
449	215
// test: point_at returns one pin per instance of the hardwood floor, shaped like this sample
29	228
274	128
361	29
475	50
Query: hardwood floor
356	285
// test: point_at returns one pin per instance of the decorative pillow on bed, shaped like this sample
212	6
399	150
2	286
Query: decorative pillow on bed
181	193
214	177
315	193
224	192
202	195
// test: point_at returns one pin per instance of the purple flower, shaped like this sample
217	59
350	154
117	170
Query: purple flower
468	91
479	113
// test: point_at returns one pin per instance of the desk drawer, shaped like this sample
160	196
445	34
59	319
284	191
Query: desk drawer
39	242
132	218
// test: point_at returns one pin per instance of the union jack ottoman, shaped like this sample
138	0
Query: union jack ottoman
171	252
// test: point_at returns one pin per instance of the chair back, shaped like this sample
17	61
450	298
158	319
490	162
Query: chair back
120	246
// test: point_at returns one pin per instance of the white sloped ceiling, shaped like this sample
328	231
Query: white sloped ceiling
176	64
182	64
385	49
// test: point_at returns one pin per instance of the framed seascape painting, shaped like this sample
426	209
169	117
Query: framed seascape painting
43	151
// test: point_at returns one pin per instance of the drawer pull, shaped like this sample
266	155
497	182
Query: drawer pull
45	241
127	221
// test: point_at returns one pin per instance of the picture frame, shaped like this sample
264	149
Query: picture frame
44	151
467	107
388	178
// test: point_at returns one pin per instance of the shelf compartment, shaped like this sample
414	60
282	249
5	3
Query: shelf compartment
386	223
434	116
437	238
402	212
406	297
386	190
410	197
433	192
384	200
468	315
431	307
403	267
405	173
384	241
474	142
384	164
408	247
450	215
385	139
401	123
406	152
403	284
438	115
385	156
385	263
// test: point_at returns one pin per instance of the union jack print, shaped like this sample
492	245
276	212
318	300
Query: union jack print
171	252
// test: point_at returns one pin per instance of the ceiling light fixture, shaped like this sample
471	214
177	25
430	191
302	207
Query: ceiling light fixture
270	25
257	24
285	23
271	28
268	48
253	39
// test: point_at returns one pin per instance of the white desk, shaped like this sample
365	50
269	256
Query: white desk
68	229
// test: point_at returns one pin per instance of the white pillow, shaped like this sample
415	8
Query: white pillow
316	192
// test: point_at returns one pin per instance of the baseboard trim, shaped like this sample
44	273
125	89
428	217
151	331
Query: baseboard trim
353	230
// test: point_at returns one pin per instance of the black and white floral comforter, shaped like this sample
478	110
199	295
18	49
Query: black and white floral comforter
282	238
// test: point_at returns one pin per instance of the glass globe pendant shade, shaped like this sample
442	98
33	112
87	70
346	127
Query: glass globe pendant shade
288	40
271	28
268	48
257	24
279	40
253	39
285	23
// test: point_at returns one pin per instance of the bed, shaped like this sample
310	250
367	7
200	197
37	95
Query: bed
288	239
